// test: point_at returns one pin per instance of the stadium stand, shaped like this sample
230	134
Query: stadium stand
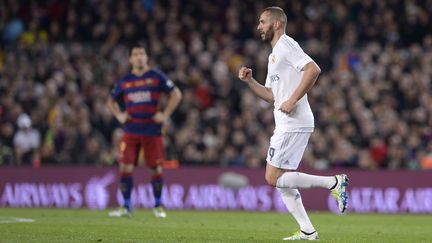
372	103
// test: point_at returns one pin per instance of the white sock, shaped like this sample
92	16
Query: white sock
294	204
301	180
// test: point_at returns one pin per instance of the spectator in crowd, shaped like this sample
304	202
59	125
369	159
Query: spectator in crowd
26	142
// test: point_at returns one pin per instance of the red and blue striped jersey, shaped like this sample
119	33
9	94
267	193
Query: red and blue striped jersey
140	96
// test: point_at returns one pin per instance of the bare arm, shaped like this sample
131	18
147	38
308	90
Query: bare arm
310	75
173	101
245	74
121	116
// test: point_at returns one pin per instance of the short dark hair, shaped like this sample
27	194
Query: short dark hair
138	44
277	13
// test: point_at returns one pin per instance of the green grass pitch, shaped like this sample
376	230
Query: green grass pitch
80	225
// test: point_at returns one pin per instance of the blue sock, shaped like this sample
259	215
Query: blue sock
157	191
126	184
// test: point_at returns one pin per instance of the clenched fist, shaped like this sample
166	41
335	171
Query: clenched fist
245	74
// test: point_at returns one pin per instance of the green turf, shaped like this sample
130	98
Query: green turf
57	225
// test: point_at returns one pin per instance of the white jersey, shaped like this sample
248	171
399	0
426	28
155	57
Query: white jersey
27	140
284	75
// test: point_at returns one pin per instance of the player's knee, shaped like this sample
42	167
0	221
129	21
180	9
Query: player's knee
156	170
271	179
126	168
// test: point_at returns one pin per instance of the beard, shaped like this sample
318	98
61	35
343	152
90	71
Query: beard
268	36
139	65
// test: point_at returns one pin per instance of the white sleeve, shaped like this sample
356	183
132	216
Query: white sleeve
16	139
297	57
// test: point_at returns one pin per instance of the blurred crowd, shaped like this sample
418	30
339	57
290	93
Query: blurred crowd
372	102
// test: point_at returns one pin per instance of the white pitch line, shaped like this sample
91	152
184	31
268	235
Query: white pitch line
12	220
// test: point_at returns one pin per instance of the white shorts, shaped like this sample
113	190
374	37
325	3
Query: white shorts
287	148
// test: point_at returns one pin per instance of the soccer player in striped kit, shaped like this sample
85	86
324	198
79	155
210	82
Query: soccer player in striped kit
135	102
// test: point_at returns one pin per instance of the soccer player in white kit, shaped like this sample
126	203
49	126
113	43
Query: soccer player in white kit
291	74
